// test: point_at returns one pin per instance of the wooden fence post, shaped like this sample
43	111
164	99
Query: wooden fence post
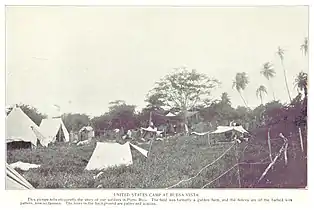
237	157
286	153
301	140
208	138
282	149
269	146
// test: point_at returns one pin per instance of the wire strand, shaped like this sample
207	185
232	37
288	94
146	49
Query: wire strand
185	180
221	175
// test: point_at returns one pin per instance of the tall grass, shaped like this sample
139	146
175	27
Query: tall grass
175	159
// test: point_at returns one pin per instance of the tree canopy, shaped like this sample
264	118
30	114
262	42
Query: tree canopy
74	122
184	89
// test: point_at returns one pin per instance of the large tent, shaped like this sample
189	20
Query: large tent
20	128
223	129
112	154
15	181
52	127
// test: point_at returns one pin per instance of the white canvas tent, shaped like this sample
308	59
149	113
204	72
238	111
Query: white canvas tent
170	115
153	130
19	127
112	154
223	129
50	128
15	181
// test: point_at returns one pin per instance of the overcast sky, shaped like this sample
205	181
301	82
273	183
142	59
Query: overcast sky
81	58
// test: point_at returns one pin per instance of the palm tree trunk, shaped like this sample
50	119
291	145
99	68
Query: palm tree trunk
261	97
272	90
243	100
305	97
284	71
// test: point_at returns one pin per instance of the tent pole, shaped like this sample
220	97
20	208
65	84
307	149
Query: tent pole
150	146
59	134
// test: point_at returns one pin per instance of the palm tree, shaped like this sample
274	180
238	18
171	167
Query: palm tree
240	83
225	99
305	46
280	53
260	91
268	72
304	49
300	82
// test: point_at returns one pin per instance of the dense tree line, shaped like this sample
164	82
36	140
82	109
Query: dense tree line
186	90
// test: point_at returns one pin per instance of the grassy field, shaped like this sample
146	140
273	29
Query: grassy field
62	166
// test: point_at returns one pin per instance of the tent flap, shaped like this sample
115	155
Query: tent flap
15	181
141	150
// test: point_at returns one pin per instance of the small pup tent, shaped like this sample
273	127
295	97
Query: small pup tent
15	181
112	154
20	128
54	129
170	115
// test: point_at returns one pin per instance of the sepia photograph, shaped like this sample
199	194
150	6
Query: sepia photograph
156	97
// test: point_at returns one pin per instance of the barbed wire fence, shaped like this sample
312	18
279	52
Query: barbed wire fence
283	149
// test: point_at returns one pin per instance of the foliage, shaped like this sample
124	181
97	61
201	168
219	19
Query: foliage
63	166
305	46
268	72
184	89
225	99
219	111
170	161
102	122
260	91
301	83
240	83
280	53
122	115
74	122
158	117
155	102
